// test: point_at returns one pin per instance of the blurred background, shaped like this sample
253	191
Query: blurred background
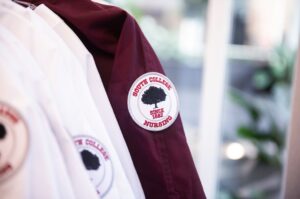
232	63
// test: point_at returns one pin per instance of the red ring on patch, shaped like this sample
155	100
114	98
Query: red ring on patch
14	141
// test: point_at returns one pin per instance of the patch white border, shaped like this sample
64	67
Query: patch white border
98	188
157	129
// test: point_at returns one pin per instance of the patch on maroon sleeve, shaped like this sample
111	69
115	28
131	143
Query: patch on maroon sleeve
153	102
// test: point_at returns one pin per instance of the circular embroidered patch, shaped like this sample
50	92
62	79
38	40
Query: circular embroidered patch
97	161
14	139
153	102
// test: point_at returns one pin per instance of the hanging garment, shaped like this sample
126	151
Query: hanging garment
123	55
74	102
35	83
31	164
98	92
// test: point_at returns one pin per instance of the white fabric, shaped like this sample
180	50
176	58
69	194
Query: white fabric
68	85
98	93
43	174
36	85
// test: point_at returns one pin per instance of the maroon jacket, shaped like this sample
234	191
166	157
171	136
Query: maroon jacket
162	159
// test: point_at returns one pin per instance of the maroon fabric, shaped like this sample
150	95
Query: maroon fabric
163	161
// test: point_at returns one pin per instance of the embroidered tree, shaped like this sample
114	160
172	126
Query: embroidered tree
91	161
2	132
153	95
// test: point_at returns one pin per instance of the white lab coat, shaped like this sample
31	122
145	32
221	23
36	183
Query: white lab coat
35	82
43	173
97	91
70	90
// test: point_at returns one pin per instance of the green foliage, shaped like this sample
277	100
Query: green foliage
279	71
234	195
259	137
253	111
135	10
282	62
262	80
274	82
